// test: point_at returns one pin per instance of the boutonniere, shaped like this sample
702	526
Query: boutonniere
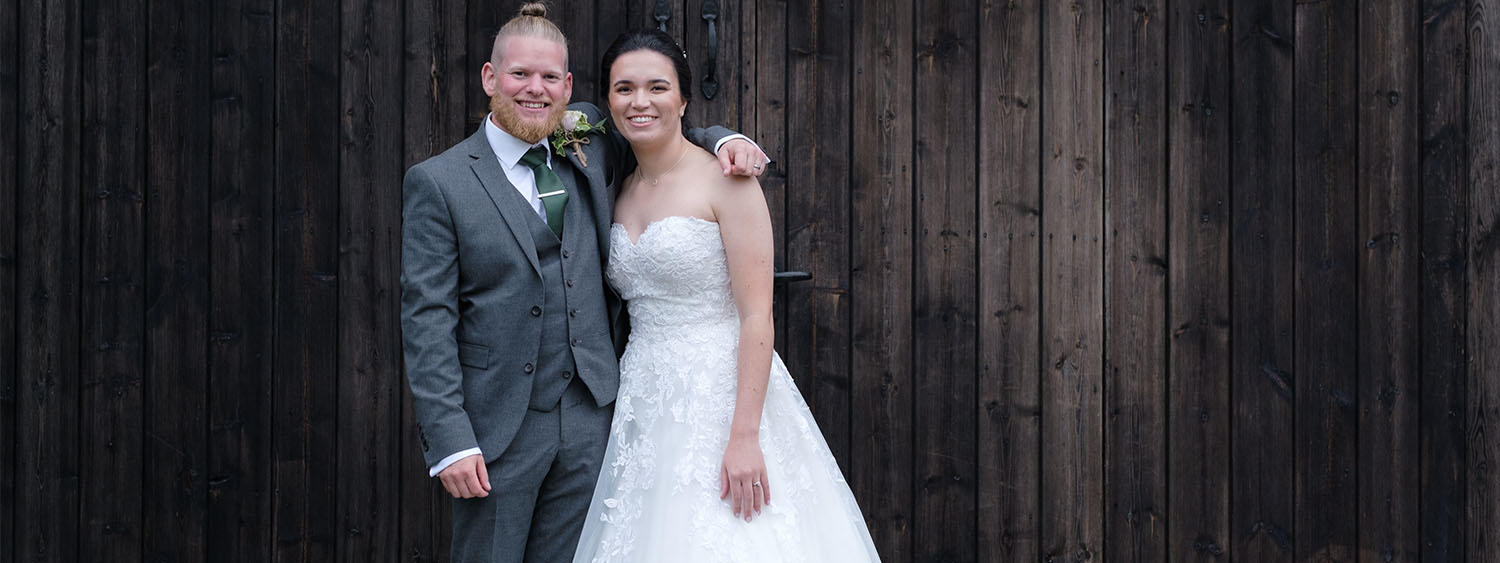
574	131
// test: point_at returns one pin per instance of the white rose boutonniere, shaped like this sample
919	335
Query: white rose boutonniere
574	131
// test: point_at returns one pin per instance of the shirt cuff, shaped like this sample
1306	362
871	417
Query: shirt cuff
450	460
739	136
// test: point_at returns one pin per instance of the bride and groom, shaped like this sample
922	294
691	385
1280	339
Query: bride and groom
587	328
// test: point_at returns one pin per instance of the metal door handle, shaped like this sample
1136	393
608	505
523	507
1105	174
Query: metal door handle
663	13
711	82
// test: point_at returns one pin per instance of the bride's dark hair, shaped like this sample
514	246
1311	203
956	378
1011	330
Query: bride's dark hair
650	40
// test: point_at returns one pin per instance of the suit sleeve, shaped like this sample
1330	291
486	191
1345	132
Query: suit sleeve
708	137
429	318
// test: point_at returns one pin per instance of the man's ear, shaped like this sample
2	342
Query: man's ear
487	78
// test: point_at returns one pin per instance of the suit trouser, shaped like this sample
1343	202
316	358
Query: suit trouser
540	487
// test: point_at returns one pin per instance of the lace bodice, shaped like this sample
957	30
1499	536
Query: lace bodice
685	283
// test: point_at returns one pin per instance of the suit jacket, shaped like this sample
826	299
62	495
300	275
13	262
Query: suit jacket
469	274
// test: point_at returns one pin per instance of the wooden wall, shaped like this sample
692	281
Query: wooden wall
1156	281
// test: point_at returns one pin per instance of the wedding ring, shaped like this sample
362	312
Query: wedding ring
757	167
755	484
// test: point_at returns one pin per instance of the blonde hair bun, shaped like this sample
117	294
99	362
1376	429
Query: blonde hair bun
534	9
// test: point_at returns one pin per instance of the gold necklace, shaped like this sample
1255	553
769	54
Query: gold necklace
669	170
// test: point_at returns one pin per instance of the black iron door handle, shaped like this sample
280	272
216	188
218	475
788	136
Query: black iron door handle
663	13
711	82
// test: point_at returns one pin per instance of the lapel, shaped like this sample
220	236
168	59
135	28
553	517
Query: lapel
492	178
601	196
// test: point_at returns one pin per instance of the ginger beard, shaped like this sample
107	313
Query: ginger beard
510	120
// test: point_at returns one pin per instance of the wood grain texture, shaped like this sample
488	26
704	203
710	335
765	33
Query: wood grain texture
1135	281
177	277
768	126
817	213
729	71
369	244
112	279
241	281
1009	321
1443	268
1072	334
304	421
10	93
1484	281
944	313
435	79
881	380
1261	274
47	464
1326	295
1389	345
1198	317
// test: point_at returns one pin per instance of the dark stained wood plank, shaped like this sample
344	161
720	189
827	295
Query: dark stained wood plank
10	93
1261	270
482	22
433	118
768	126
1072	333
1135	274
1009	190
576	20
111	280
179	75
1198	157
880	274
816	348
369	343
944	312
1389	345
47	463
304	399
1327	263
1484	281
240	353
1443	263
611	19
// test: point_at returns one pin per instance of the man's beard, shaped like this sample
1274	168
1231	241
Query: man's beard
529	131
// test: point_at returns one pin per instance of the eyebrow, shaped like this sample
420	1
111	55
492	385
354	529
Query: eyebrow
652	81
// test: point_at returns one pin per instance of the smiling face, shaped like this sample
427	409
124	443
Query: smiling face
529	86
644	99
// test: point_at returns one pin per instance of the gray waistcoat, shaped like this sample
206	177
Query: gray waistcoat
575	322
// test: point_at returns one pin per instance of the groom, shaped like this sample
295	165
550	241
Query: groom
506	320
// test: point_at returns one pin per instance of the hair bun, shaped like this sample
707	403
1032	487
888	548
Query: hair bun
534	9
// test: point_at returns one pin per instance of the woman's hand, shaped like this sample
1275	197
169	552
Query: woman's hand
742	477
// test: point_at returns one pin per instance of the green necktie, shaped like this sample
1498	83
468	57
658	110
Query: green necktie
548	187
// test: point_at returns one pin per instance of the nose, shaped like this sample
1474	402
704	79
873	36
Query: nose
638	99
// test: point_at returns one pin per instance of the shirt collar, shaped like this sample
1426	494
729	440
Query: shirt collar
507	147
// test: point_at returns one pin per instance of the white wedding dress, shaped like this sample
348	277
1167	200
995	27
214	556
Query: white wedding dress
657	500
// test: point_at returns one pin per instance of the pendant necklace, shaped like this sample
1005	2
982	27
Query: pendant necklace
669	170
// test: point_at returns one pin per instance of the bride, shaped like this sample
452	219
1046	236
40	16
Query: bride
713	455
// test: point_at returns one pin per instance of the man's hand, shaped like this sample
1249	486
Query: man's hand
742	158
467	478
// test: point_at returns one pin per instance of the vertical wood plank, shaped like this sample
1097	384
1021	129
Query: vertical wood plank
10	84
1261	267
178	258
1009	190
1388	288
1073	275
817	214
944	323
1198	157
304	399
369	345
576	20
483	22
1135	275
433	120
1484	281
1327	306
112	278
1443	263
880	273
240	317
47	465
612	19
770	131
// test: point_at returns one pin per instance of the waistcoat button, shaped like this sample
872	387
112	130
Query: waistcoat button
536	311
528	368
